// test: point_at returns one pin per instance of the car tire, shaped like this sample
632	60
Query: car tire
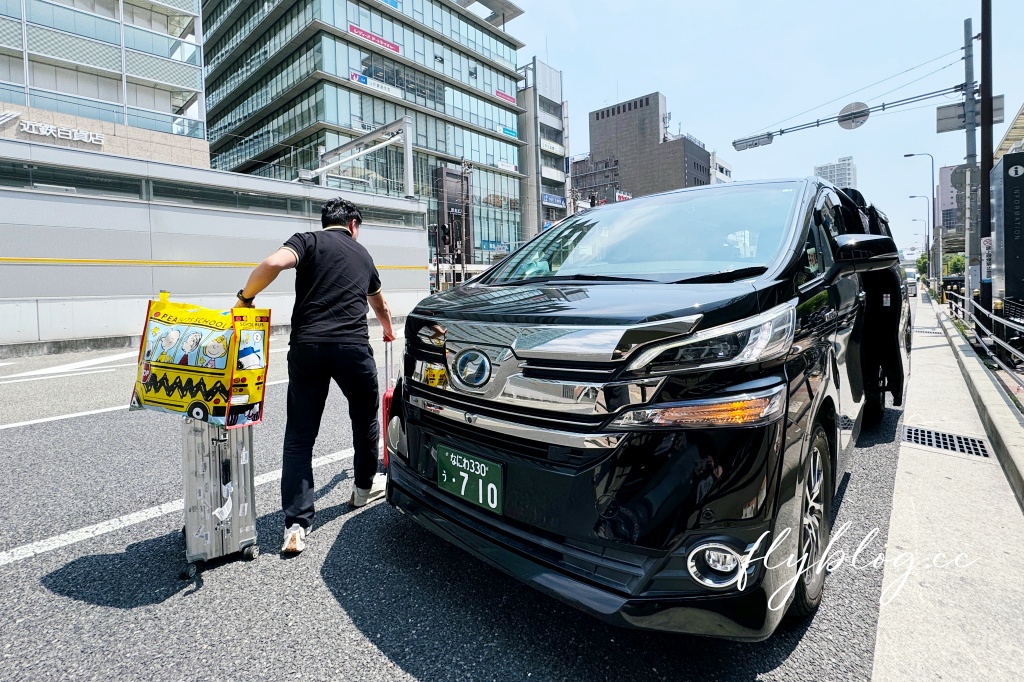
816	490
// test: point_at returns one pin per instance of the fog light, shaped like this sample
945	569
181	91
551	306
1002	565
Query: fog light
723	562
714	565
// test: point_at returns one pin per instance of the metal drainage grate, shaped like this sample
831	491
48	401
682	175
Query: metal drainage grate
927	330
945	441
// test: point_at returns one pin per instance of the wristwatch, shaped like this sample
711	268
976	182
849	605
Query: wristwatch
243	299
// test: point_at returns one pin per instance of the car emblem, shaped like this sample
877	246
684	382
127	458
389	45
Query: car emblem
472	368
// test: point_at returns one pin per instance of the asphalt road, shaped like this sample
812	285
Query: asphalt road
374	597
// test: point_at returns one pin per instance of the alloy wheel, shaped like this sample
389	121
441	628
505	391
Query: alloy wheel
812	540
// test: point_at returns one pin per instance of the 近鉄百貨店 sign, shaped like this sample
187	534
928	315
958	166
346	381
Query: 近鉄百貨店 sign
49	130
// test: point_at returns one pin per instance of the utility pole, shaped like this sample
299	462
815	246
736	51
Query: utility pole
970	120
985	208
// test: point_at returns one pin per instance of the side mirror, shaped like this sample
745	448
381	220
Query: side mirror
863	253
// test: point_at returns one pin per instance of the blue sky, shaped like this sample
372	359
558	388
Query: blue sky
731	68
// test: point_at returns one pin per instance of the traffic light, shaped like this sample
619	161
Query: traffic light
444	238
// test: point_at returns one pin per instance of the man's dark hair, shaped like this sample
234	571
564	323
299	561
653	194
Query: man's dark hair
339	211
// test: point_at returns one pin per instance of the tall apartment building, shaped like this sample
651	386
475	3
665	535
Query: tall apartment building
290	81
104	75
842	173
632	152
544	126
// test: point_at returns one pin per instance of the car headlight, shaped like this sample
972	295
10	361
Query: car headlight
747	409
756	339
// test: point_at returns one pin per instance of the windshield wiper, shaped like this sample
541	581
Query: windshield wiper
724	275
573	278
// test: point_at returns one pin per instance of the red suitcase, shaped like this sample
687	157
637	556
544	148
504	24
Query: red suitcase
385	403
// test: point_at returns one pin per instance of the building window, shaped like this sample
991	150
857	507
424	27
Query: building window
647	101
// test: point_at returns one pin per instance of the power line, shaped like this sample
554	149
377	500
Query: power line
889	78
930	73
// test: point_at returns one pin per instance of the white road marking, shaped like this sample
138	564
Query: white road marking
4	364
56	376
61	369
63	540
63	416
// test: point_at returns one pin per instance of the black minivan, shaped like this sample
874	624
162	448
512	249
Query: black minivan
645	410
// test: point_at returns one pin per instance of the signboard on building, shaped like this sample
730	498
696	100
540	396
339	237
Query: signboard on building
622	196
505	96
552	200
553	147
39	129
375	39
506	131
375	84
392	3
504	165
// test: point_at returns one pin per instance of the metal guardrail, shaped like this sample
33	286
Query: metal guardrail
1006	334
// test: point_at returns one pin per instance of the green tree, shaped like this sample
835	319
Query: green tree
922	264
954	264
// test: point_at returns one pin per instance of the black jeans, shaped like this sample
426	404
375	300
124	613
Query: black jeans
311	366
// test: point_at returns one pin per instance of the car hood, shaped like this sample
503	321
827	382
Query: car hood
592	304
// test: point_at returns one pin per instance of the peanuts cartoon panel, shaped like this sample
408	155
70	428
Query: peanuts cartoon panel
207	364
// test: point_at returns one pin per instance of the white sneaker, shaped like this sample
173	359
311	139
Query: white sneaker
363	496
294	539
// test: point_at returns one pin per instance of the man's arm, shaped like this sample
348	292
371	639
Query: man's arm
383	313
266	272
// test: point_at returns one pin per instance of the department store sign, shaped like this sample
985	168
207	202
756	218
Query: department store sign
375	84
39	129
375	39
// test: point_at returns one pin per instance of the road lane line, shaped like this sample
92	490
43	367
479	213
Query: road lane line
71	366
88	532
56	376
63	416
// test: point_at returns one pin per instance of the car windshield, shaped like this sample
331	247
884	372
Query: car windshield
709	234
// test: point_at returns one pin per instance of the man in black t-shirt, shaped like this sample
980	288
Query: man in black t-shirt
335	279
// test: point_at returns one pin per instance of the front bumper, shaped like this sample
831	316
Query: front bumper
535	561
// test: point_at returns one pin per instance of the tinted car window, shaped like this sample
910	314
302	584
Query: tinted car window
664	238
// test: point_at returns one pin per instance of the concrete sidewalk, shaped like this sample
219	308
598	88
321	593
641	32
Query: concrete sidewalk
962	620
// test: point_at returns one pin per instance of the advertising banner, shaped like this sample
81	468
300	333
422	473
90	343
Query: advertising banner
210	365
375	39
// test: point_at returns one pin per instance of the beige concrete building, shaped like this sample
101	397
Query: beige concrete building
18	122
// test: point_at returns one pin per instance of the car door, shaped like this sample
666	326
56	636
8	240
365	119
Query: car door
846	294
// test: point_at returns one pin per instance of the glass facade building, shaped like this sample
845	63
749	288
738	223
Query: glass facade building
289	81
132	62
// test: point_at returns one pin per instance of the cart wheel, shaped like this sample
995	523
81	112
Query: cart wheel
251	552
188	571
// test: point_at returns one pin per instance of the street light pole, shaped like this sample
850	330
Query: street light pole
927	245
926	224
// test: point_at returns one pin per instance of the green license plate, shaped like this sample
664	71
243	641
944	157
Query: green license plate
471	478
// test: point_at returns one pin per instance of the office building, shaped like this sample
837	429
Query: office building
632	152
288	82
120	76
842	173
544	127
721	170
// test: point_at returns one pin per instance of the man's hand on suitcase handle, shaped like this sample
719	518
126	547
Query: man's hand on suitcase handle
388	338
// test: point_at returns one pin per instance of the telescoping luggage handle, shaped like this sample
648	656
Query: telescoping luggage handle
389	371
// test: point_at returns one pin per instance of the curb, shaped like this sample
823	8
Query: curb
1004	425
36	348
